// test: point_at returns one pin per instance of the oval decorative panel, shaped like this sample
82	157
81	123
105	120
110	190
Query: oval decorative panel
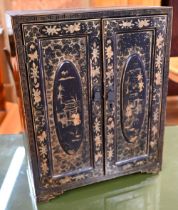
68	108
133	98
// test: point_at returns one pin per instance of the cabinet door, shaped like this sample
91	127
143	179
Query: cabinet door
134	81
64	81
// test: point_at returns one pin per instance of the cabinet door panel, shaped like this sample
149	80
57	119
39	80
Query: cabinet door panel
63	68
134	50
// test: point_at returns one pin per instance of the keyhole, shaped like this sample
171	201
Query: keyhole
111	98
110	105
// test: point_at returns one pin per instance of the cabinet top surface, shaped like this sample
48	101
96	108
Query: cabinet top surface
97	12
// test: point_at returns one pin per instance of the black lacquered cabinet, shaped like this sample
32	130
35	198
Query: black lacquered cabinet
94	86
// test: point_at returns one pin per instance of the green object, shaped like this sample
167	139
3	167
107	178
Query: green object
134	192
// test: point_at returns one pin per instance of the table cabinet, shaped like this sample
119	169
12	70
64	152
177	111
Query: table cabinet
94	86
